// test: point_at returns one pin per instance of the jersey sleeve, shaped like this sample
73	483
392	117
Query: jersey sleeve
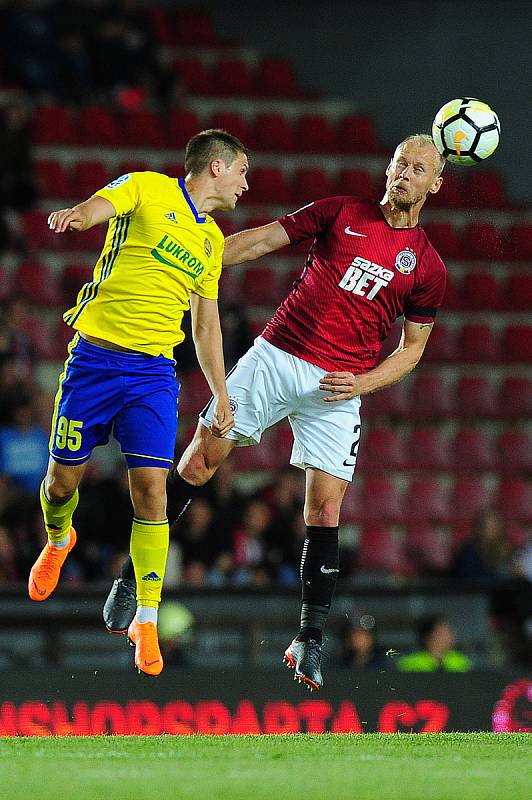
427	296
311	220
124	193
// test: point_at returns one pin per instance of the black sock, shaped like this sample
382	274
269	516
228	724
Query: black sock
179	493
319	573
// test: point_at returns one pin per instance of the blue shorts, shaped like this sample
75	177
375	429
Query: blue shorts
129	395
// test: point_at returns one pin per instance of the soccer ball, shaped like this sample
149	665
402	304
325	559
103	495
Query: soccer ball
466	131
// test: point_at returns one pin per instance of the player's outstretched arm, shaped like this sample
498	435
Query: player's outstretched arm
345	385
254	243
207	335
85	215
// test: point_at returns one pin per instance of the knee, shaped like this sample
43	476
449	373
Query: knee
149	500
323	515
195	470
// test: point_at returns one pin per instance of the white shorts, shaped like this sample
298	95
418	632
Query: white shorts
267	385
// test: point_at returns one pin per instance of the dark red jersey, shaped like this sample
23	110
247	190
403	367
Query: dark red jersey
360	275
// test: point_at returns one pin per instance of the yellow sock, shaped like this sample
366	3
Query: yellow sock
149	548
58	516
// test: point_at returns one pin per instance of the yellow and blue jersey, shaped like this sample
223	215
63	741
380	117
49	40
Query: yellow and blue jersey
157	252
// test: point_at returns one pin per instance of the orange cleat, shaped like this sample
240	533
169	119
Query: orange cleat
44	575
143	637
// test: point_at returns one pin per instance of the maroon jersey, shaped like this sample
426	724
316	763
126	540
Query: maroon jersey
360	275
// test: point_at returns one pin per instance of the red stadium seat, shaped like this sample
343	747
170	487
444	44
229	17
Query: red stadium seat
475	397
182	126
427	548
273	132
52	179
427	500
442	345
478	343
514	448
260	287
235	124
98	125
37	281
194	393
430	398
284	441
380	500
194	74
194	25
482	240
356	182
62	335
381	449
519	242
482	291
90	241
515	397
485	190
517	343
391	402
269	186
472	449
144	129
173	169
518	292
54	125
380	551
444	238
162	25
357	133
514	500
427	449
256	458
37	233
311	183
126	167
453	300
88	177
451	193
275	78
469	497
314	134
41	337
233	77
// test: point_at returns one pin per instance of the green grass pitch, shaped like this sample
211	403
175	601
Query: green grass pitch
465	766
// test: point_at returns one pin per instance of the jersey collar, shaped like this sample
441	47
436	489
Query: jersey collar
198	218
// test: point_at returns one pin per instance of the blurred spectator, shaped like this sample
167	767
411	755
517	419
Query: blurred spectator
24	448
437	641
486	555
15	342
196	532
360	649
8	569
249	539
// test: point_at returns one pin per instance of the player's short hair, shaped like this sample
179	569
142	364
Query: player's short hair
209	145
422	139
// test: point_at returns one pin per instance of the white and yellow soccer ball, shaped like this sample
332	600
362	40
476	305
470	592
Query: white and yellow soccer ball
466	131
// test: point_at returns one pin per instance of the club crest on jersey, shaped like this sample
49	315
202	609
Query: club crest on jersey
171	216
233	405
405	261
208	248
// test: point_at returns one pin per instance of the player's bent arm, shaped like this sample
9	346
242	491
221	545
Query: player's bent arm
254	243
207	335
83	216
345	385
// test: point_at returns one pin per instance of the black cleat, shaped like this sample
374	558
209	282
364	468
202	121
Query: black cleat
121	605
305	658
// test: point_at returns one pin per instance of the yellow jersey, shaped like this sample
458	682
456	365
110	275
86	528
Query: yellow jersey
157	252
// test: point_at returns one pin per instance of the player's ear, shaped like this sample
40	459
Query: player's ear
436	185
217	167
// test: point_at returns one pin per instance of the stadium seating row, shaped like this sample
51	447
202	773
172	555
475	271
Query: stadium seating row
271	132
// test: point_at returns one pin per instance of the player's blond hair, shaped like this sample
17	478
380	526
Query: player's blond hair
422	139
